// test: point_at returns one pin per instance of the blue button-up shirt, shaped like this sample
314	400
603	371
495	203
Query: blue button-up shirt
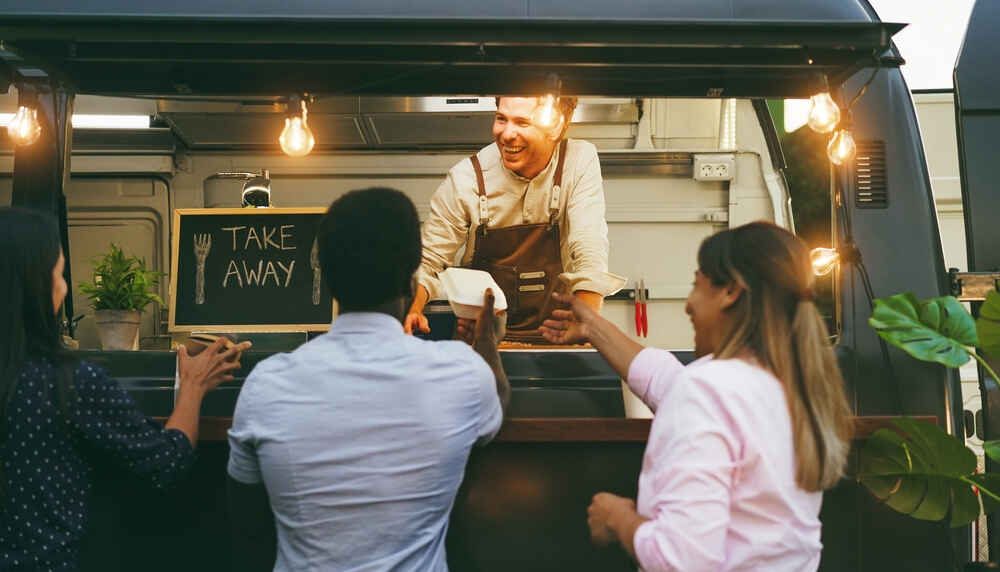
361	437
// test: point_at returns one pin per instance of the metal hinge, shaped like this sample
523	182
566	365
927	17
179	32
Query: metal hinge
973	286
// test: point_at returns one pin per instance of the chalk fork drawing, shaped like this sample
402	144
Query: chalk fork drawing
202	244
317	278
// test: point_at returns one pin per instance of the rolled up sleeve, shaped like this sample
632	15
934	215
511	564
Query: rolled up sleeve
587	233
651	374
444	231
691	507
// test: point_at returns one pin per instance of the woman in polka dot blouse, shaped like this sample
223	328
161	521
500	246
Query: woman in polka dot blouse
59	418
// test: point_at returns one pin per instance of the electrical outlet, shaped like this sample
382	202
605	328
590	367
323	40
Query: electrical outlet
715	167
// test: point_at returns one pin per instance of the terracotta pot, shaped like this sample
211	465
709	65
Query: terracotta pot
118	329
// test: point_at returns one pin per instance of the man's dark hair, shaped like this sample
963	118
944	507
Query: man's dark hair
369	247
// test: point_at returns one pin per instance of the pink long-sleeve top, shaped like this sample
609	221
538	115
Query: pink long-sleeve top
718	475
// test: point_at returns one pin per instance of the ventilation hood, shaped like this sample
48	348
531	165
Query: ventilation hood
377	123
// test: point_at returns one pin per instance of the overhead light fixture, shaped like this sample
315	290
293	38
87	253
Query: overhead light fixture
823	111
841	148
24	128
296	138
823	260
94	121
547	115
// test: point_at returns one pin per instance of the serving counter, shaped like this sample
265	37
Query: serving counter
522	505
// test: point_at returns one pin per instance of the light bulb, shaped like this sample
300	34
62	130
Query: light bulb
823	260
546	115
823	113
841	148
296	138
24	128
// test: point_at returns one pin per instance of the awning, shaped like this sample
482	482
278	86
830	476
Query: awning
143	55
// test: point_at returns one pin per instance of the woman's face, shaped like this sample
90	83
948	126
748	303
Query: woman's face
59	287
706	305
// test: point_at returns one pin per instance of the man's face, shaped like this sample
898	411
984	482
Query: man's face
525	148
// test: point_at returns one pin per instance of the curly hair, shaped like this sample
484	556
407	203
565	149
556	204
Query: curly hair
369	247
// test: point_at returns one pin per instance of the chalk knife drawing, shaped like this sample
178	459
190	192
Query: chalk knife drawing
317	277
202	244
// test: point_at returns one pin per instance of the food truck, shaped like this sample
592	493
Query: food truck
674	96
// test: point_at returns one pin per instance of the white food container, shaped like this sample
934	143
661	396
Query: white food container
466	289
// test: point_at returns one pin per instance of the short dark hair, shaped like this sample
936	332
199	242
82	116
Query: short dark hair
369	247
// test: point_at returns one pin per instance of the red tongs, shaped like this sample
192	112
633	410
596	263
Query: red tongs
641	320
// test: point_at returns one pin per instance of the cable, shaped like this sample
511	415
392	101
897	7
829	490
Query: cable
854	257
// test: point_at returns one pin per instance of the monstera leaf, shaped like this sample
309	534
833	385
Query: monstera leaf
937	329
988	325
921	471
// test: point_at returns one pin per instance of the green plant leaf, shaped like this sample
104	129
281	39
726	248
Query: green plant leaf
121	282
936	330
992	449
920	470
988	483
988	325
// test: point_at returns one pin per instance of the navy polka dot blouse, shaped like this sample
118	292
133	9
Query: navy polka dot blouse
48	459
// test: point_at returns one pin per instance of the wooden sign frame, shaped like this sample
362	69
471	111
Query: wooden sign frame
234	328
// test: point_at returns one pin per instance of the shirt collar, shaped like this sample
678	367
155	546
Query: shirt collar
365	322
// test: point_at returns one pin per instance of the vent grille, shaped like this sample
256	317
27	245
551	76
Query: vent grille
870	177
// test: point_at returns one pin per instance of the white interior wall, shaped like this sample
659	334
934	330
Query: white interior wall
655	221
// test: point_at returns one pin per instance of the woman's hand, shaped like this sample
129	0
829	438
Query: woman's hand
416	322
211	367
571	321
606	514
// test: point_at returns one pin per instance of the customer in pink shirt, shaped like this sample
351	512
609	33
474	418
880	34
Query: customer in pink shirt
746	438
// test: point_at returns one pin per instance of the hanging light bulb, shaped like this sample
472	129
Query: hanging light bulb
823	260
823	113
547	115
296	138
24	128
841	148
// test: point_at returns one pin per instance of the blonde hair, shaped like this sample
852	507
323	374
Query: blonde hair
775	320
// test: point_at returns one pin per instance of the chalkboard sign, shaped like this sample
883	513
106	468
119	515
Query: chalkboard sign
247	270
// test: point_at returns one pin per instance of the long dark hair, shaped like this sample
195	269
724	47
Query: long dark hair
29	325
775	320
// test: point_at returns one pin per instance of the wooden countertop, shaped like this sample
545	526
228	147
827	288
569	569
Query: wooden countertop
566	430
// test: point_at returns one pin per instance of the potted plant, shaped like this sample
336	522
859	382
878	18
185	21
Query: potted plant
122	286
917	468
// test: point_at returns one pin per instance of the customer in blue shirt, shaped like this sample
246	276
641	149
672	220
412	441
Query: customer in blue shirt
60	418
358	439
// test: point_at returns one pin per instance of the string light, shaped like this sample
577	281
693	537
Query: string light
823	113
546	115
823	260
296	138
841	148
24	128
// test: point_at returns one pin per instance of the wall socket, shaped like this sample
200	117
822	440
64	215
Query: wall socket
715	167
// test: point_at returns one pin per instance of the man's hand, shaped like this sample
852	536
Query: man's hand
571	321
606	513
416	322
211	367
488	328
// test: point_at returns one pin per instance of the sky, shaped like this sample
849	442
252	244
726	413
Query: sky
932	39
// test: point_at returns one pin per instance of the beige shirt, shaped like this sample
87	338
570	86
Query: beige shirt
513	200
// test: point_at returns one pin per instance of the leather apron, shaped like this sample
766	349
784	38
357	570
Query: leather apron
525	260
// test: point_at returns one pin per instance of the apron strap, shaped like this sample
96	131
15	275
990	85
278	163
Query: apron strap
484	213
557	184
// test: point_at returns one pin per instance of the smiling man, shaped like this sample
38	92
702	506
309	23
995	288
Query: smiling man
529	209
